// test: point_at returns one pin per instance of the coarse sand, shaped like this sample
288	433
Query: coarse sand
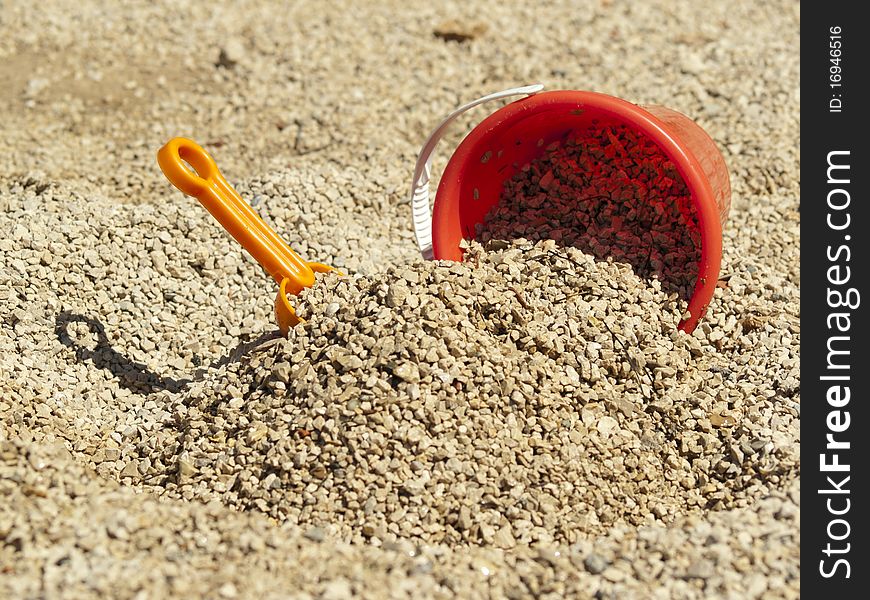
527	423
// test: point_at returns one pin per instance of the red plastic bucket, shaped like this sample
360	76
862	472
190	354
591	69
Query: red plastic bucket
520	132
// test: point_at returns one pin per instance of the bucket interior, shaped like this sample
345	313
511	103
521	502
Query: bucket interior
501	152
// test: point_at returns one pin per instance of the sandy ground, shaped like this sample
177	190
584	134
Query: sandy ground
146	403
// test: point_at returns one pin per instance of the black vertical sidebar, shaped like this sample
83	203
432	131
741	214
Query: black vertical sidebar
835	370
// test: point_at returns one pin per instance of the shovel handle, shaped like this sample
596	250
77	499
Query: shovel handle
193	171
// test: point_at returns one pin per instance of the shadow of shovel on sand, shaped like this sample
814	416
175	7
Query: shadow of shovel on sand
132	375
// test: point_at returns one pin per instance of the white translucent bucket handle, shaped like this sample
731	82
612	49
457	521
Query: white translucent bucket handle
422	213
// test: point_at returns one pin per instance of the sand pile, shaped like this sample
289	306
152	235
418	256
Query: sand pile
444	403
527	395
528	423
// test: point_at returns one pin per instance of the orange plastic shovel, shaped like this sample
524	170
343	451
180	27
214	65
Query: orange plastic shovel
205	183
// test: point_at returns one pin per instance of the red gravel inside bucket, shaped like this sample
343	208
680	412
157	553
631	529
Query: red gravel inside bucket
610	192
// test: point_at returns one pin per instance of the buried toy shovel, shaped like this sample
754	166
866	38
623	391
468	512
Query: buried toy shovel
193	171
